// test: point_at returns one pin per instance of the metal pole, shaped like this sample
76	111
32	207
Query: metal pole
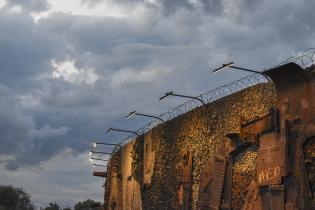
105	153
244	69
99	159
231	65
121	130
94	165
183	96
146	115
118	145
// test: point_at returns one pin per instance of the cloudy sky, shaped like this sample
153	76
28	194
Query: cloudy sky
70	69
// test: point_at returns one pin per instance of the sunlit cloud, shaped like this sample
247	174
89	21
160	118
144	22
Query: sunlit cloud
2	3
130	76
67	71
15	9
77	7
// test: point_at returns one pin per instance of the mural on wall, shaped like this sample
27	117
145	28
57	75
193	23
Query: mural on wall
254	149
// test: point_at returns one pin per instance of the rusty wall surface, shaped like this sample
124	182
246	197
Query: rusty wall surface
131	194
203	131
122	190
148	158
158	156
296	107
113	185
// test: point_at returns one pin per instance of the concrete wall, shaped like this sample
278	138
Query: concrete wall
131	194
203	131
155	159
113	186
148	158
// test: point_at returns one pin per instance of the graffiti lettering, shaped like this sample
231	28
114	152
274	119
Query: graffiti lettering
268	153
268	174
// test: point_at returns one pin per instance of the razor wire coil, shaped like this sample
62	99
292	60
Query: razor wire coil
306	60
207	97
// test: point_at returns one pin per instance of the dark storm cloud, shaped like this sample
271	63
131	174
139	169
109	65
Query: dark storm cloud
171	45
135	59
29	5
169	7
272	31
14	125
19	132
25	48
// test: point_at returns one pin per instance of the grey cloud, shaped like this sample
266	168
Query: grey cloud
91	3
29	5
14	125
187	43
272	31
26	48
170	7
42	116
19	132
48	132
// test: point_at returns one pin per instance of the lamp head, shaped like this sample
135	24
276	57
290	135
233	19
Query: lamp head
94	144
109	130
131	114
166	94
90	154
224	66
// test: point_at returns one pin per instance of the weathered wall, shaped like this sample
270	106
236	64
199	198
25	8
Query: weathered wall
122	190
203	131
148	157
113	185
156	159
131	194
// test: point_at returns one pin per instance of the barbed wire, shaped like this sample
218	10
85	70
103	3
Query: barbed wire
305	60
207	98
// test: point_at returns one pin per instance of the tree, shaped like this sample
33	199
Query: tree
88	205
53	206
12	198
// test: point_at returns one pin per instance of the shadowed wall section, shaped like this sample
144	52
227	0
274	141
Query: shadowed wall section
202	131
